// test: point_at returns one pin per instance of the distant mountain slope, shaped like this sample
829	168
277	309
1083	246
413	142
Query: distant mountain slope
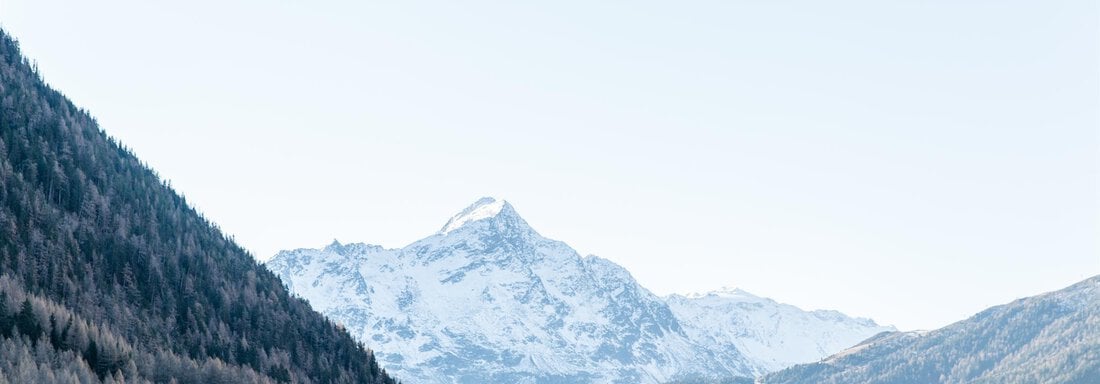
108	275
1050	338
771	335
490	300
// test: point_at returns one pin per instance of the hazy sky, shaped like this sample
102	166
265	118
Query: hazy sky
910	161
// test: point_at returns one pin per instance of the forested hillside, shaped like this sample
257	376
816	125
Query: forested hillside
107	274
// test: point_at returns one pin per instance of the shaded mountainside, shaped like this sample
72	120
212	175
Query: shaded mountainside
488	299
1050	338
107	274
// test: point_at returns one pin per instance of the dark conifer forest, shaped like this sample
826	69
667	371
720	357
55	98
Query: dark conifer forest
108	275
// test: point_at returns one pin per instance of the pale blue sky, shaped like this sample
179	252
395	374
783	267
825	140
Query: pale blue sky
910	161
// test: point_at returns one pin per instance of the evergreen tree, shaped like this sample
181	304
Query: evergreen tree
26	322
5	317
91	356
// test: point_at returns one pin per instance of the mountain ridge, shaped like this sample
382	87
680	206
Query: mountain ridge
1052	337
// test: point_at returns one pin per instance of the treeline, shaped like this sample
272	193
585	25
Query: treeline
107	273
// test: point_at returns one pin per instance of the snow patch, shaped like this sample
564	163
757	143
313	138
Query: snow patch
484	208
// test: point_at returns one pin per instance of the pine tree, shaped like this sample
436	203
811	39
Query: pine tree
5	317
91	357
26	322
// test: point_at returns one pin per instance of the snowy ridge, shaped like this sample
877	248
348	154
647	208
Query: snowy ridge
488	299
772	335
725	292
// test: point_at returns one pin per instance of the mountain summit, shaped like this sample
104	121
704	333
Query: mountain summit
488	299
490	209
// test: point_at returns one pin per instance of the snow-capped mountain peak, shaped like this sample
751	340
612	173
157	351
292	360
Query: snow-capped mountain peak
488	299
482	209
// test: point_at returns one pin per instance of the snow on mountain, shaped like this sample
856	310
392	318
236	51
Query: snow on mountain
489	300
772	335
484	208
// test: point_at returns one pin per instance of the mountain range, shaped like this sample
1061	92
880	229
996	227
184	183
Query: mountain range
489	299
